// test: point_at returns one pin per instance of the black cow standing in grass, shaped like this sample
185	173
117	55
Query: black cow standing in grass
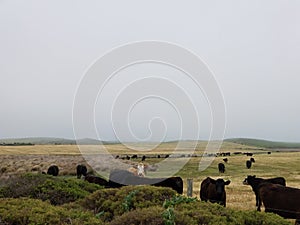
53	170
81	170
252	160
221	167
254	182
248	164
214	190
281	200
225	160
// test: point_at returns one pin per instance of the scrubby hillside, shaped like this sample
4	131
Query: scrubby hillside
127	205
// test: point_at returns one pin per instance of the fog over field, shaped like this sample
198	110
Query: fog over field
251	47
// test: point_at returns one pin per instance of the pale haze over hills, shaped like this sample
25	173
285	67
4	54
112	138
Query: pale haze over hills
252	48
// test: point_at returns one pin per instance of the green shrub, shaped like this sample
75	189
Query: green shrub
197	213
114	202
24	211
57	190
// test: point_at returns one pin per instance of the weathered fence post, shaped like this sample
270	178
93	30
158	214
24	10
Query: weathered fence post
189	187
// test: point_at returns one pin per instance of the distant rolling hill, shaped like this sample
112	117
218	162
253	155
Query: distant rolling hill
52	141
264	143
88	141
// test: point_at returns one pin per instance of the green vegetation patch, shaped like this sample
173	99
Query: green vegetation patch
197	213
57	190
108	203
23	211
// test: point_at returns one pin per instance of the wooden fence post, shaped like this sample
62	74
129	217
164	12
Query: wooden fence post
190	187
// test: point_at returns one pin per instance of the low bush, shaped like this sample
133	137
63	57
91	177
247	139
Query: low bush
23	211
108	203
197	213
57	190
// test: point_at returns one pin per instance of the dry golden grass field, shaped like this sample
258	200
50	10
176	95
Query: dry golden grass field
37	158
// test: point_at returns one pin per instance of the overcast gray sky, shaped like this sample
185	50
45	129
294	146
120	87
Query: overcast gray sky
252	47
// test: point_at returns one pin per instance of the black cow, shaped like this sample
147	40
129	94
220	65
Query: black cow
81	170
281	200
221	167
119	178
254	182
53	170
97	180
134	157
249	154
176	183
214	190
225	160
143	158
248	164
252	159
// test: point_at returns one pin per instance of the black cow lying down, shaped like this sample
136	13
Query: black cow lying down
119	178
254	182
284	201
213	190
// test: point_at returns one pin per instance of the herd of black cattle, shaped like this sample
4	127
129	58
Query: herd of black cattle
273	193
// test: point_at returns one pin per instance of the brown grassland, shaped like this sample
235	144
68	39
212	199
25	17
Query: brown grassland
21	159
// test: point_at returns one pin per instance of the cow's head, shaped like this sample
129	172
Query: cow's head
248	180
220	185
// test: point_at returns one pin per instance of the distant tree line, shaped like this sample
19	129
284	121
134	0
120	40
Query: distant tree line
16	144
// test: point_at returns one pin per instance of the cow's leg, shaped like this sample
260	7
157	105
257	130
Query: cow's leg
258	204
256	199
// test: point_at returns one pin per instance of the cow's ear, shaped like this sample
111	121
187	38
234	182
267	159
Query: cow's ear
227	182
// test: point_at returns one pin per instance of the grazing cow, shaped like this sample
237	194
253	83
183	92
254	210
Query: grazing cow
214	190
176	183
225	160
127	157
158	156
249	154
254	182
143	158
53	170
134	157
119	178
81	170
252	159
281	200
221	167
248	164
96	180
